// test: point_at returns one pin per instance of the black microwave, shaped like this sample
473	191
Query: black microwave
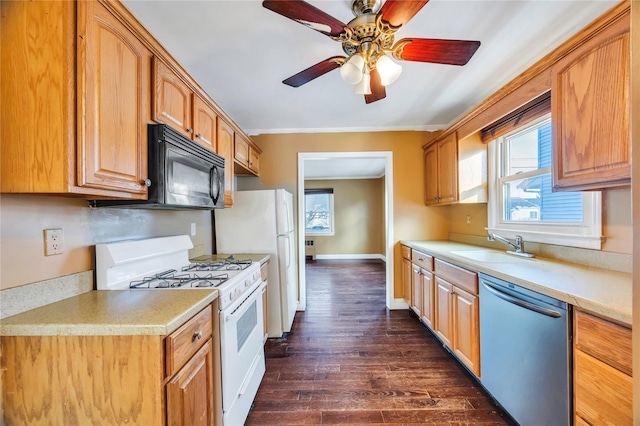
182	174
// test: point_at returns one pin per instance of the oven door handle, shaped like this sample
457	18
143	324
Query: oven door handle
242	307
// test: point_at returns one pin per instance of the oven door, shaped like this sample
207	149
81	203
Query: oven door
191	180
242	356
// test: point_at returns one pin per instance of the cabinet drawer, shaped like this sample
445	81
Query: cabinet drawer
186	340
462	278
423	260
604	340
406	252
602	394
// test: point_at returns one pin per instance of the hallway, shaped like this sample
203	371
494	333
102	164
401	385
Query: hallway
348	360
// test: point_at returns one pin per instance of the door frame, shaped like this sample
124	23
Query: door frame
391	302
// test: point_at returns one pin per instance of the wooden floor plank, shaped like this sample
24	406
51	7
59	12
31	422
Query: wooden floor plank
350	361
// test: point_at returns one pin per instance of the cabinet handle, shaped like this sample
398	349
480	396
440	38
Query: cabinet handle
196	336
198	135
190	130
451	292
146	182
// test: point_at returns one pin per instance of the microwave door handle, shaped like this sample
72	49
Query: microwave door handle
212	175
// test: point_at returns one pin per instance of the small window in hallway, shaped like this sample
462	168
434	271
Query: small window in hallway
318	207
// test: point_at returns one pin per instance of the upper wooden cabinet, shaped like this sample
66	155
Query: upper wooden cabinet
590	112
455	171
225	149
171	99
205	124
75	101
246	156
175	104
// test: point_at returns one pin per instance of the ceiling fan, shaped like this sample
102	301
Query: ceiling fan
367	40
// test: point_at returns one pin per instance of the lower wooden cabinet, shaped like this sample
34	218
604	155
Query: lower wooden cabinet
416	290
407	276
135	380
264	275
190	391
602	381
456	318
427	298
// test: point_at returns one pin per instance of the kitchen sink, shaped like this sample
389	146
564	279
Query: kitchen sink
486	256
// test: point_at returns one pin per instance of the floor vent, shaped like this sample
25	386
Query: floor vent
309	249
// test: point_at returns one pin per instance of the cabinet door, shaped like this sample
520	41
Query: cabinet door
602	394
443	308
466	333
590	112
448	169
225	150
254	160
430	157
241	150
427	298
416	290
205	125
172	99
190	391
113	103
407	276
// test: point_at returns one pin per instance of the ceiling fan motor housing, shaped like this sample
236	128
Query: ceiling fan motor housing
367	38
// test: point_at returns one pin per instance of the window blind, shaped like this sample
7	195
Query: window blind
520	117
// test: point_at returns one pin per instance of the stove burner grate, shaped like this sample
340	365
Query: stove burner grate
169	279
225	265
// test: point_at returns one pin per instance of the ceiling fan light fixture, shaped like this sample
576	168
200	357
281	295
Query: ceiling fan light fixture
352	70
364	86
389	71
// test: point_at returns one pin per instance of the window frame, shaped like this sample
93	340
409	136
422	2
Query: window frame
587	234
331	231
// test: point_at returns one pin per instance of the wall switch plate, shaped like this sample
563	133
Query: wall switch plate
53	241
193	229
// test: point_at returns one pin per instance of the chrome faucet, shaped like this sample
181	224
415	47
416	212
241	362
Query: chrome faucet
518	245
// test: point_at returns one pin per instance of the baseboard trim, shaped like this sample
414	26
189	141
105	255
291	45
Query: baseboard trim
398	304
350	257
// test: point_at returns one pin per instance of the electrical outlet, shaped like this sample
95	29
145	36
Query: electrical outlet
53	241
193	229
468	219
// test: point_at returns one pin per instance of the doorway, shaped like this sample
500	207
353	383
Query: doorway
355	160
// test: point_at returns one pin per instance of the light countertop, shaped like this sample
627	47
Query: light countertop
111	312
598	290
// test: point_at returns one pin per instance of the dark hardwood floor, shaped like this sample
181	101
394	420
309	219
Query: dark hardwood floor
349	360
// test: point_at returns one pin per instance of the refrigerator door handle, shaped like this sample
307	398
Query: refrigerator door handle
288	253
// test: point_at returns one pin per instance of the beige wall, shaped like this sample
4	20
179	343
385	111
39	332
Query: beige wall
358	217
412	220
23	218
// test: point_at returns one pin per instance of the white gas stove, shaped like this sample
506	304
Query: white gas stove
163	263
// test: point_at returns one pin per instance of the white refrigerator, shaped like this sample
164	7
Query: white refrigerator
262	222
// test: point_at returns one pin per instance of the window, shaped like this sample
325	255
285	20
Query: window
318	208
521	200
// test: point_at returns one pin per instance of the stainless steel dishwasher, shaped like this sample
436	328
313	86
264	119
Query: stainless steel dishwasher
525	352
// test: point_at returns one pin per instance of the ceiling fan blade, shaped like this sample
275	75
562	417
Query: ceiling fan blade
399	12
377	89
308	15
450	52
315	71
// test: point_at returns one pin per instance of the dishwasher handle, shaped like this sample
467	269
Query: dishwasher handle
522	303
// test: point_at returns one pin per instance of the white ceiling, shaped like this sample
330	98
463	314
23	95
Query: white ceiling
240	52
344	168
